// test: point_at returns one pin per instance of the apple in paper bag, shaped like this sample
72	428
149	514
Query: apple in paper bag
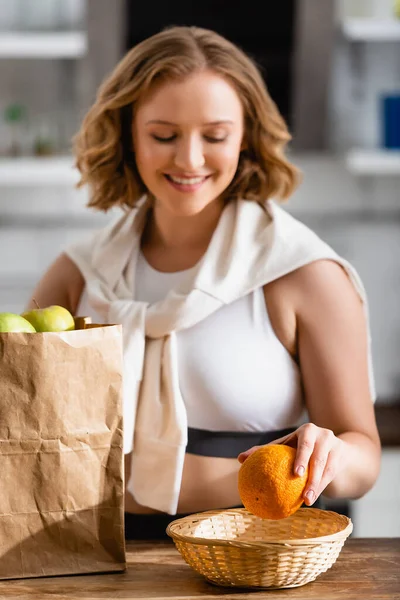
12	323
51	318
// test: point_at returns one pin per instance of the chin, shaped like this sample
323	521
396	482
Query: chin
187	208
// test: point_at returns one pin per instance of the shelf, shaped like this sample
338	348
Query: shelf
373	162
70	44
372	30
23	172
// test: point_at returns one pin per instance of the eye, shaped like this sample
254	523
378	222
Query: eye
214	140
164	140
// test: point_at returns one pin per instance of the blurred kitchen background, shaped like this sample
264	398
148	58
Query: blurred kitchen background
332	66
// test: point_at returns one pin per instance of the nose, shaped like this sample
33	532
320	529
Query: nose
189	154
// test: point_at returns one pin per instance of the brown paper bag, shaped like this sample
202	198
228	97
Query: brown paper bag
61	457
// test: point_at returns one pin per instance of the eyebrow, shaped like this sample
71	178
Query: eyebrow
161	122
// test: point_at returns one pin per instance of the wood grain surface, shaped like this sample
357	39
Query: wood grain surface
366	569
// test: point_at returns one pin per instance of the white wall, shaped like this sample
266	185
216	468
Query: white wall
36	224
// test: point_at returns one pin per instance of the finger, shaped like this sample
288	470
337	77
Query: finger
243	455
288	440
291	439
318	462
307	436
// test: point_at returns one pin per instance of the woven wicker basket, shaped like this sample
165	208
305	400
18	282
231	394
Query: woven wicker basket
235	548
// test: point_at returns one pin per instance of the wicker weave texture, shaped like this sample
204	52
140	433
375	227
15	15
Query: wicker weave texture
235	548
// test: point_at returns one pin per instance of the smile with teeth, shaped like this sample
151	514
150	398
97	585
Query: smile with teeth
187	180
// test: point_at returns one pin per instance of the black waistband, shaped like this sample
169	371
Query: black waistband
228	444
150	526
153	527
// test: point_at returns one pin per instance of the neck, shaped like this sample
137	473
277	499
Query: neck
167	231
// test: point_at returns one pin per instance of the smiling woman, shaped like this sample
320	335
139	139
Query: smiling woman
205	89
233	333
188	136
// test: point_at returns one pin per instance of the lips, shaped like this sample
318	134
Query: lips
193	180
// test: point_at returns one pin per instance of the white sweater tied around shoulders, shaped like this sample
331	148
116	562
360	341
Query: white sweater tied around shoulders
252	245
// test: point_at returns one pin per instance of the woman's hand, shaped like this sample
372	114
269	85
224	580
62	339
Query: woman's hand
318	448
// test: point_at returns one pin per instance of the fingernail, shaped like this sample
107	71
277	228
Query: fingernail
310	496
300	470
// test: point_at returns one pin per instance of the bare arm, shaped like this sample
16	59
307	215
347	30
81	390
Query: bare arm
341	443
62	284
332	345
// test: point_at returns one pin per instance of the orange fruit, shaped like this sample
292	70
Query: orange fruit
268	486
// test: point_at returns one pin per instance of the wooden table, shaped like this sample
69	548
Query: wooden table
367	569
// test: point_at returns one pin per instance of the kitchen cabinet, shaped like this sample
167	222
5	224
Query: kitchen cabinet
364	36
53	57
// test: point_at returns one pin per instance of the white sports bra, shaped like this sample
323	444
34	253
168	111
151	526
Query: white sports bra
235	375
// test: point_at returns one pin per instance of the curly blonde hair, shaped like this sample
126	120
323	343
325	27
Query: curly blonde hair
104	148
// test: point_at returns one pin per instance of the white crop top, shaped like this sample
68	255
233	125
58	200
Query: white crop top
234	373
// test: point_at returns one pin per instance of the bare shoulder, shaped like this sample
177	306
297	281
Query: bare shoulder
312	295
61	284
333	348
319	271
323	285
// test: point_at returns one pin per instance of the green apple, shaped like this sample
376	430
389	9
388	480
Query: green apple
12	323
51	318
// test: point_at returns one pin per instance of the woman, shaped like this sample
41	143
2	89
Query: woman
241	327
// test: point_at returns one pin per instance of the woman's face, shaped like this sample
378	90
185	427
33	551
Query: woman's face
187	138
